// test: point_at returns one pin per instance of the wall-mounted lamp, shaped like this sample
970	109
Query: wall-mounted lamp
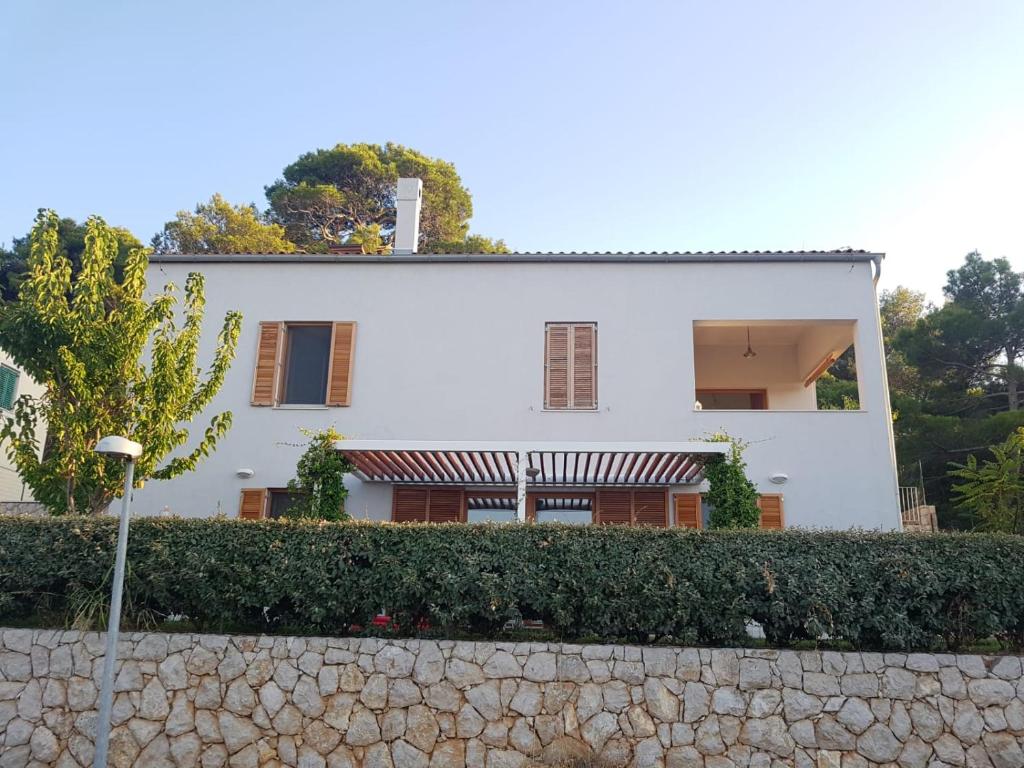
532	472
779	478
244	473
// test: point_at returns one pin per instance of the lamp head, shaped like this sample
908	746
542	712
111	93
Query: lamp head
121	447
532	472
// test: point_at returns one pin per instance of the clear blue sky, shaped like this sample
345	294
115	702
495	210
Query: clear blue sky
896	126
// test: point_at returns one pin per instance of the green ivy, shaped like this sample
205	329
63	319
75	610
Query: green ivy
731	496
868	590
319	485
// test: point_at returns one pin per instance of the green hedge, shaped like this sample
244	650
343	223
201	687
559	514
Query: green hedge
865	589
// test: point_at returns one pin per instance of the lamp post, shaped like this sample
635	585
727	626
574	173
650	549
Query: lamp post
122	448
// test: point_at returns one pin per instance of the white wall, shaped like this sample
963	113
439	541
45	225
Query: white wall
454	351
11	486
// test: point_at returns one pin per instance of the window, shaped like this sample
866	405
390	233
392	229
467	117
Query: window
413	504
304	364
570	366
307	360
8	387
565	507
632	507
693	511
281	500
260	503
733	399
491	507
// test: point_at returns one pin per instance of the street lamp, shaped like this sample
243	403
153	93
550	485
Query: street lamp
129	450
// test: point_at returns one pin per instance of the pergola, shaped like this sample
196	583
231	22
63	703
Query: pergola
525	465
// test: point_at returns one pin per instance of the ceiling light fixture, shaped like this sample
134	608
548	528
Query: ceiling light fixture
750	352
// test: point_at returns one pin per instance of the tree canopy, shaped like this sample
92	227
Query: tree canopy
954	377
218	226
70	244
112	363
347	195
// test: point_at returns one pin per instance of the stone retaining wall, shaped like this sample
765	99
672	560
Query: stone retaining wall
187	700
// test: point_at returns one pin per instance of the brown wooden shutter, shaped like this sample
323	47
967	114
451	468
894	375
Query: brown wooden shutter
266	375
614	507
650	508
771	510
339	377
556	366
253	504
688	510
409	505
584	366
446	505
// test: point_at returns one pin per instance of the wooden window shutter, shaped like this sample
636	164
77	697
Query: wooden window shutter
770	505
253	504
650	508
570	366
409	505
268	361
446	505
339	376
556	366
614	507
688	510
584	366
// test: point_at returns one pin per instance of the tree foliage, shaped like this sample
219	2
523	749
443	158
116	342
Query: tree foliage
993	490
347	195
112	362
953	377
731	496
220	227
319	484
70	244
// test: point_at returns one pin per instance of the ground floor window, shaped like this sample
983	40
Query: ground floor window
574	508
281	500
490	507
615	506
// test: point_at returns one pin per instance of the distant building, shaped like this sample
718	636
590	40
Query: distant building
14	383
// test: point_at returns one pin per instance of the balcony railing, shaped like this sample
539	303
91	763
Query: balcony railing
917	514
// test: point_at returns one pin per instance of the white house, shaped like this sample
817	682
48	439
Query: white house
14	383
575	387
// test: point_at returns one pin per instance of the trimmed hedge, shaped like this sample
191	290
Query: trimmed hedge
603	583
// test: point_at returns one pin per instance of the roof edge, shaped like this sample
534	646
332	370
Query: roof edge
521	258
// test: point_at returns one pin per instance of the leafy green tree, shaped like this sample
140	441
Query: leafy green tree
112	362
731	496
900	309
318	489
70	242
472	244
974	343
341	195
993	490
220	227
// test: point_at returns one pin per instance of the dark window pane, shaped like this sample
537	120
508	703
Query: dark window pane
308	358
281	502
576	511
490	510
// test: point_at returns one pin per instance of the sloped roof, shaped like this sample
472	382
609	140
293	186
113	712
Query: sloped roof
840	255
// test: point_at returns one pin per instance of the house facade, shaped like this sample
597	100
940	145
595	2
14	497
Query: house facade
14	383
571	387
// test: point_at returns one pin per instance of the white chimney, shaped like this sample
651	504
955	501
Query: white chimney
407	219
